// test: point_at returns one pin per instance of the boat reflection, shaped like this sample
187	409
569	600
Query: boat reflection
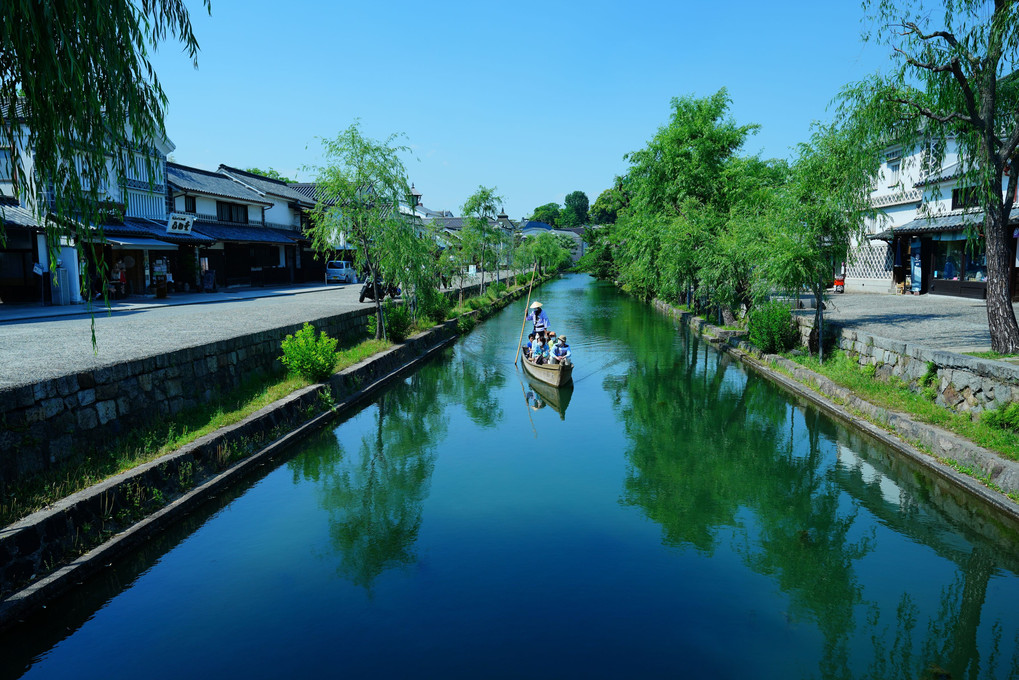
542	394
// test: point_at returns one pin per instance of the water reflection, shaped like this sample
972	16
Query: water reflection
373	498
713	457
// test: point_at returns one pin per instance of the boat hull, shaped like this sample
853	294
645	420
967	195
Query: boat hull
555	375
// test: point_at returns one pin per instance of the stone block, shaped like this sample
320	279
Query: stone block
86	381
35	414
86	397
174	388
25	396
87	418
107	411
124	405
106	391
951	396
66	385
145	382
44	390
52	407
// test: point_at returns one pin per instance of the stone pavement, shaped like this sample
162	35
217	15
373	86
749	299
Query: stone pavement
42	342
935	321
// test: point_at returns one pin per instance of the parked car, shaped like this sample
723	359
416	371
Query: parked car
368	292
340	271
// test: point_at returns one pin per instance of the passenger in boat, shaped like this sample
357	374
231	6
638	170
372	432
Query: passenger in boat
529	346
541	353
561	352
540	319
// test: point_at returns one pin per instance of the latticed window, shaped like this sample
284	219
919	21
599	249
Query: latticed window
873	260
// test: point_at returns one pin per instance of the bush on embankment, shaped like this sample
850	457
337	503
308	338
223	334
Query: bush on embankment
771	328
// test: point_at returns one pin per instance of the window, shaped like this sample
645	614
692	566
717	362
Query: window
6	174
231	212
959	260
965	197
893	159
189	204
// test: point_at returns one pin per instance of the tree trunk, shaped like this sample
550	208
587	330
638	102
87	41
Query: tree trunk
1001	320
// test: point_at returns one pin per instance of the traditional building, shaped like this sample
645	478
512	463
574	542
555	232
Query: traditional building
928	238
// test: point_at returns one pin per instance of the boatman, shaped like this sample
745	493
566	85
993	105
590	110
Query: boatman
540	319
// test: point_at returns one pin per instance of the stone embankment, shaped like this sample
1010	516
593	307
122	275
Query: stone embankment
932	447
54	421
963	383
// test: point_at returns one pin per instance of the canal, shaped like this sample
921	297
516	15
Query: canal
672	515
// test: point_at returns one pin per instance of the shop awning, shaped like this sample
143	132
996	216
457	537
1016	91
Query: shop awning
125	243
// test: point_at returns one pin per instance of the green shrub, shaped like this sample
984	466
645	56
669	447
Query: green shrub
434	305
497	289
771	328
465	324
308	356
1004	418
523	279
398	321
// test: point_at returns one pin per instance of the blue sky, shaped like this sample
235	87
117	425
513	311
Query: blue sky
537	99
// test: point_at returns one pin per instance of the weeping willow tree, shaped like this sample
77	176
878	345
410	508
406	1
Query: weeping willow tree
81	103
953	81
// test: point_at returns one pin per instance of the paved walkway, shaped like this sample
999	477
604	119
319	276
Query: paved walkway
41	342
936	321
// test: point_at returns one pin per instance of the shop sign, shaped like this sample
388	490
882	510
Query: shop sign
180	223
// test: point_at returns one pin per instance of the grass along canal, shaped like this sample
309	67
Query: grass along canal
682	516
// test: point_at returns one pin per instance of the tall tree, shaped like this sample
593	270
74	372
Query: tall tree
575	207
954	79
820	213
607	206
548	213
479	213
359	191
77	91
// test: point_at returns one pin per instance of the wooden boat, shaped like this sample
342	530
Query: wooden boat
558	398
555	375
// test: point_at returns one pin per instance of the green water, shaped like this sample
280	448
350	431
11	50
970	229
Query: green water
678	518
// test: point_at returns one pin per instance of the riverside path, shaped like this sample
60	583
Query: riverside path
39	343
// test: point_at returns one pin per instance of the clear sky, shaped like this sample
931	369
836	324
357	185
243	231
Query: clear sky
535	98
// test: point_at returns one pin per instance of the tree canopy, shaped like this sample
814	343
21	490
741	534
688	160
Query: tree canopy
359	189
575	207
608	204
548	213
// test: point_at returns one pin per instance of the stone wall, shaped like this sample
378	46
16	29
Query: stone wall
54	421
962	383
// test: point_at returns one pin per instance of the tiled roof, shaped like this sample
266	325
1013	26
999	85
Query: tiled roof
266	185
212	183
18	216
244	233
934	225
305	189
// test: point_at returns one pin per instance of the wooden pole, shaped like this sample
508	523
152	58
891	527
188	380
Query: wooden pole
529	288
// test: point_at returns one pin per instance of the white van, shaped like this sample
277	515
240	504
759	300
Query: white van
340	271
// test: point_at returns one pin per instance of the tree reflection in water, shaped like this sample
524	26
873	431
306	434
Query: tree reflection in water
714	449
374	498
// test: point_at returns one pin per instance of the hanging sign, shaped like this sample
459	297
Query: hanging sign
180	223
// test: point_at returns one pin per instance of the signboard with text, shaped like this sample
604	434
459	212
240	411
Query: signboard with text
180	223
